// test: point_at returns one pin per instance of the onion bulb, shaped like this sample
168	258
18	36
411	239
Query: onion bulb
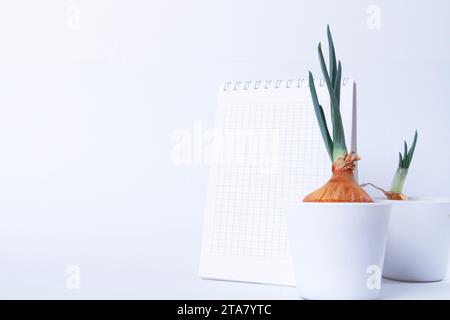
342	186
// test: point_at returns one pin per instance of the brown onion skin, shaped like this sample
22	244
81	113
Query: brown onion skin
395	195
342	186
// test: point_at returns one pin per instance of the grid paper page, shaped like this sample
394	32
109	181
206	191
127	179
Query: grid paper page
271	154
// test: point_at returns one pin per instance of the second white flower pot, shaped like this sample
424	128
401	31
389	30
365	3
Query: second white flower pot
338	248
418	243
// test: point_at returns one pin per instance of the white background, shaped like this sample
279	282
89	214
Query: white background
87	112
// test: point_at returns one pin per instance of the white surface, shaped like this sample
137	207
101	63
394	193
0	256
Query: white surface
261	166
87	116
338	248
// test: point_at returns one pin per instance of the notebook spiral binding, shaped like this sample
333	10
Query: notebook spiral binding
275	84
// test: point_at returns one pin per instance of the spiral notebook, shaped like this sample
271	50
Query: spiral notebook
268	153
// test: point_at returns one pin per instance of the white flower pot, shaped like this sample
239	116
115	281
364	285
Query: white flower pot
418	243
338	248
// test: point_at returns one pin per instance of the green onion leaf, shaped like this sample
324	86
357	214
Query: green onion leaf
332	57
336	146
406	158
340	148
405	154
413	147
326	77
320	115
